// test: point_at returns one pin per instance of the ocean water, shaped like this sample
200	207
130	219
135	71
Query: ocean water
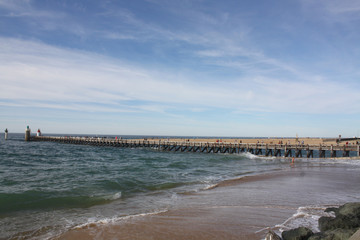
47	188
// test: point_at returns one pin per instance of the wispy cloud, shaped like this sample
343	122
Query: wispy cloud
208	35
342	7
34	73
333	10
182	61
24	8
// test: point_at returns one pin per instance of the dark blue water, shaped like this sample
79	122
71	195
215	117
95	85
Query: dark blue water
46	188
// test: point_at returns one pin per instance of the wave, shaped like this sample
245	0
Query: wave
253	156
36	200
115	196
165	186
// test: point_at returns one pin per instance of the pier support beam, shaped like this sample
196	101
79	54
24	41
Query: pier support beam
258	151
288	153
269	152
277	152
346	153
321	153
332	152
310	153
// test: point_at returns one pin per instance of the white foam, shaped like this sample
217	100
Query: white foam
209	182
253	156
113	197
116	196
113	220
249	155
210	186
305	217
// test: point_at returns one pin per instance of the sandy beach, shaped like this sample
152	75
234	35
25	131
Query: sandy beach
243	208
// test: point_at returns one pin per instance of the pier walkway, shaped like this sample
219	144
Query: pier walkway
275	150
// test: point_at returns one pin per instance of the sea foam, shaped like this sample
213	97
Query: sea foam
306	216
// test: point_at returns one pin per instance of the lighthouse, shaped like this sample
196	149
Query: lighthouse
6	134
27	134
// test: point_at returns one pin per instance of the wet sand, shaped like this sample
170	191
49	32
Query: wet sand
238	209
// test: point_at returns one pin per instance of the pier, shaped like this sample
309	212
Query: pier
260	149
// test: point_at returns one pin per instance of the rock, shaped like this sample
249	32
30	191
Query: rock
340	221
338	234
301	233
341	234
272	236
347	217
317	236
332	209
349	210
345	225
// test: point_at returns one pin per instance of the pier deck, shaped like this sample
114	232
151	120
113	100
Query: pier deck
276	150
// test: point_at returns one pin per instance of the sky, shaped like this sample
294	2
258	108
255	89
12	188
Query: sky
181	68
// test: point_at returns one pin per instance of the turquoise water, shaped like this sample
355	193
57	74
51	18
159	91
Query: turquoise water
47	188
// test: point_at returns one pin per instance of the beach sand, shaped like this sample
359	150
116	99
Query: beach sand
238	209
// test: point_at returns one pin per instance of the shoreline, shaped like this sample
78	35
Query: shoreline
243	208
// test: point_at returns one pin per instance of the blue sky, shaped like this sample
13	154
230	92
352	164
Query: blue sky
199	68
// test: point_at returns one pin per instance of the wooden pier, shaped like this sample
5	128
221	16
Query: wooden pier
274	150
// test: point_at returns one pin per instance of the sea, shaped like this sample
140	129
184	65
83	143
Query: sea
48	188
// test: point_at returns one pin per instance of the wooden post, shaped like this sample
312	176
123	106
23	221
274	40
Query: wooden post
332	151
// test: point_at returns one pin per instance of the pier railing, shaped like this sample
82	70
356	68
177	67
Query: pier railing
276	150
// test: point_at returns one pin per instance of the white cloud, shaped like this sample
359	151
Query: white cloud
333	11
342	6
36	74
24	8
